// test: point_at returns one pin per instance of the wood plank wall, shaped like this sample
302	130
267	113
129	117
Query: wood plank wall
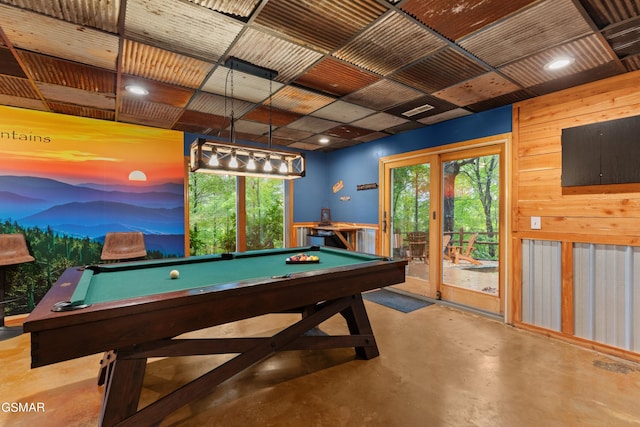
611	217
606	215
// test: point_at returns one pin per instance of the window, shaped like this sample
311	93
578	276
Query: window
265	213
214	208
212	213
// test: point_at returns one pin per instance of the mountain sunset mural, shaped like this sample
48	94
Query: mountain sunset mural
83	177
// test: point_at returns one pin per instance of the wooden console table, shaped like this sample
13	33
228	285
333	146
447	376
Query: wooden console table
346	234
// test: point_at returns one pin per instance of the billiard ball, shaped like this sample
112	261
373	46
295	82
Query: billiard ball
174	274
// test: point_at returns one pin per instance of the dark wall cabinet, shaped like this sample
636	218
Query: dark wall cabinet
602	153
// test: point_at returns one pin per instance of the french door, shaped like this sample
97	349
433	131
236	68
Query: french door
444	211
408	220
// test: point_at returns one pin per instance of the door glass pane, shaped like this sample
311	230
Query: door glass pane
265	213
470	212
409	222
212	213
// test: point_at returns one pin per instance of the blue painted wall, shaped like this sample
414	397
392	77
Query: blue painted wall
312	193
359	165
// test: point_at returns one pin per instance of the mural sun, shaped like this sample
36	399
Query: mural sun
137	176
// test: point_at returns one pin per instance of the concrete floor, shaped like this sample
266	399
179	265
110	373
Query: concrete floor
438	367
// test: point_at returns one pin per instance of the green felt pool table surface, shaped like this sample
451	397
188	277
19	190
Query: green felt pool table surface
122	281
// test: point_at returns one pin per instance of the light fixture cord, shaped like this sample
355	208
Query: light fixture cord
226	98
232	136
270	110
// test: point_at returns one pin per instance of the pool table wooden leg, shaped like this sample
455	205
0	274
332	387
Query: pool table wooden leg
358	323
123	386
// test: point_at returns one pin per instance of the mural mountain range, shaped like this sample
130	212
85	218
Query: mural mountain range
90	210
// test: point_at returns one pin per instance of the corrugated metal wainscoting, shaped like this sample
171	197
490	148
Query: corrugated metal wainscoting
606	291
607	294
541	283
366	240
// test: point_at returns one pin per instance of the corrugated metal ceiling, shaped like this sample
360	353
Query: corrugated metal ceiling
346	69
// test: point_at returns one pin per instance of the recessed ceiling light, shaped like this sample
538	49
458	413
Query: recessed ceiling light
323	140
137	90
560	62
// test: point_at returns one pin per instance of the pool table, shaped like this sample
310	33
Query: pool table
133	311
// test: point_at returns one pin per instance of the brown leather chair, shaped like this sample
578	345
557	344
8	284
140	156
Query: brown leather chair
122	246
13	250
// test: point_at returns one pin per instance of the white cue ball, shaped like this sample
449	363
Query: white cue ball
174	274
